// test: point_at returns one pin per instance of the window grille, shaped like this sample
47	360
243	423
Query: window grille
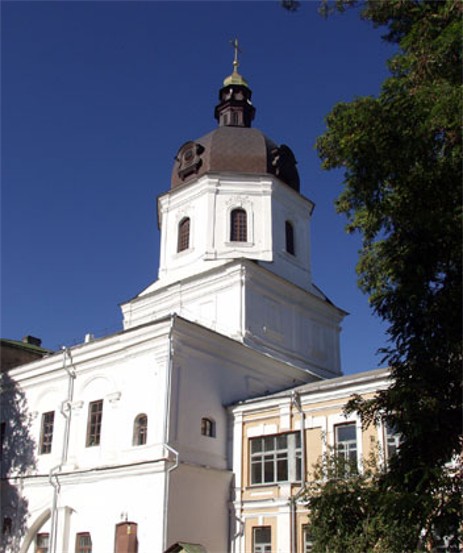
238	225
183	242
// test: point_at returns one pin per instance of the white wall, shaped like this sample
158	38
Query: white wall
128	371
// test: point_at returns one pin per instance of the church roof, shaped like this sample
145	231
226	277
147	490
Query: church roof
234	146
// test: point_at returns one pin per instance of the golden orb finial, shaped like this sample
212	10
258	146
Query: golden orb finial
235	77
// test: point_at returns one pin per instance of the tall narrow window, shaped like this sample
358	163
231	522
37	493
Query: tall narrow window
238	225
346	446
392	441
307	540
7	525
262	539
183	242
46	432
95	416
83	542
42	543
289	234
2	438
140	430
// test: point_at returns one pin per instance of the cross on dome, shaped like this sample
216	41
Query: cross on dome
235	77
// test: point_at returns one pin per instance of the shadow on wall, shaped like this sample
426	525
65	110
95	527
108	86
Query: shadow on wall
17	459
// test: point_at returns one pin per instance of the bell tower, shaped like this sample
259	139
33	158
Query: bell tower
235	243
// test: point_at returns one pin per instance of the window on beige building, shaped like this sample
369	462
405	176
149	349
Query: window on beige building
275	458
307	543
391	441
262	539
346	445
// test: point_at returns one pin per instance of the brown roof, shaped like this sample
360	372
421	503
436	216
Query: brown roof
235	149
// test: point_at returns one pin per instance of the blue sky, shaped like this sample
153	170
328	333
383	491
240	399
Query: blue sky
97	97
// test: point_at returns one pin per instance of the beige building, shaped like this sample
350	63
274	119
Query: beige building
278	439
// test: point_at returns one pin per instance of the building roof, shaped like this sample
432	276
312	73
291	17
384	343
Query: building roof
327	385
234	146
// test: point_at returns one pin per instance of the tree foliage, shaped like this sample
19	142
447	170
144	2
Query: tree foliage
402	160
17	459
357	512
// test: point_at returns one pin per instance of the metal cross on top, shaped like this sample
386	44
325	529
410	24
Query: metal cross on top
236	47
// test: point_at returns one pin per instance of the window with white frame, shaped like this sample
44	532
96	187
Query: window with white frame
262	539
346	445
391	441
307	543
275	458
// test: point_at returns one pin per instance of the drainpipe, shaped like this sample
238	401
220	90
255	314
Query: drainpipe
167	431
296	401
53	474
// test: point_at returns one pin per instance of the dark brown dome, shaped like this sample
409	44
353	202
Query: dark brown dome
234	150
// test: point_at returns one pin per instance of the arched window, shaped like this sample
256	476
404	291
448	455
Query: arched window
238	225
183	242
208	427
140	430
289	234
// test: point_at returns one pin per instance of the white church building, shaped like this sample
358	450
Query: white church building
147	440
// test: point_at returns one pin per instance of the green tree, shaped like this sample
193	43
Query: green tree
401	157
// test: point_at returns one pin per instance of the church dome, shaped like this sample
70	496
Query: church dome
234	150
234	147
